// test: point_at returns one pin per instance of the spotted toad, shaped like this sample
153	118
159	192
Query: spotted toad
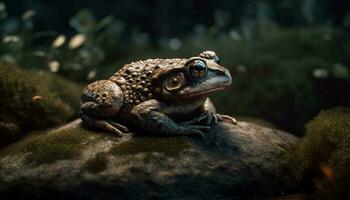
161	96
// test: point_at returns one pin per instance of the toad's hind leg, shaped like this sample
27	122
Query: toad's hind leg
101	102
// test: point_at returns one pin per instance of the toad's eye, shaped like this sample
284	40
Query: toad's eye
197	68
174	82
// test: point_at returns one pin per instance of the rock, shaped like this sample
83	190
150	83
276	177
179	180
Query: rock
243	160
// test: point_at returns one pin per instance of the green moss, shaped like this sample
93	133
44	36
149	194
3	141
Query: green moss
340	163
324	154
97	164
69	92
52	146
170	146
30	102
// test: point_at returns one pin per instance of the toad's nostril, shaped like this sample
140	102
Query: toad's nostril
220	72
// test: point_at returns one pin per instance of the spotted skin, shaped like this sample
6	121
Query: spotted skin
162	96
135	81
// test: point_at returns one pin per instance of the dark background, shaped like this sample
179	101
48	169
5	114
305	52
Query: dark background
169	18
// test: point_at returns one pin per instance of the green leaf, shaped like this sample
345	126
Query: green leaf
83	21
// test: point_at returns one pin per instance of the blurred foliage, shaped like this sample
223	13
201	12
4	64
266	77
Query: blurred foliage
30	102
322	158
73	57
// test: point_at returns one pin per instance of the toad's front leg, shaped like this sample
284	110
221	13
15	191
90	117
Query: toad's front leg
210	111
207	115
152	117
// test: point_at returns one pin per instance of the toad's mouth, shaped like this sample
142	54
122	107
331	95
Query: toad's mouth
206	87
201	93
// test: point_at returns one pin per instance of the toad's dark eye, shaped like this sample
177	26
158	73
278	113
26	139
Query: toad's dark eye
197	68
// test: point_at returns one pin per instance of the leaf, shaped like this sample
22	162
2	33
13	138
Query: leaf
59	41
104	22
83	21
3	12
54	66
28	15
37	98
340	71
76	41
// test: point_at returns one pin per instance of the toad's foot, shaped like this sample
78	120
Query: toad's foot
108	125
209	117
226	118
191	129
205	118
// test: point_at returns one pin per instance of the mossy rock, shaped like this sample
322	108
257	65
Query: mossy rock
73	162
321	160
32	101
69	92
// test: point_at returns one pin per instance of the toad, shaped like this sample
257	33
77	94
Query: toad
161	96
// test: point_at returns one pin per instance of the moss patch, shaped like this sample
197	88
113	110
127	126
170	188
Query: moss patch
30	102
170	146
49	147
322	158
97	164
69	92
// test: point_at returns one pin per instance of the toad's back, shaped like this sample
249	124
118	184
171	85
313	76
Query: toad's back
135	80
